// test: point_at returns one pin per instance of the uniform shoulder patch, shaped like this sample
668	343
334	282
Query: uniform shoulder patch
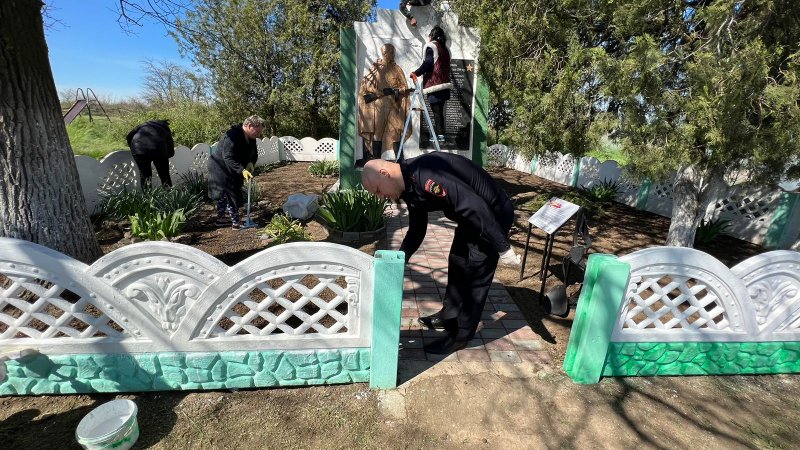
435	188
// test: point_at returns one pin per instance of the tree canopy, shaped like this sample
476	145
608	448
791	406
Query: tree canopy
277	58
706	88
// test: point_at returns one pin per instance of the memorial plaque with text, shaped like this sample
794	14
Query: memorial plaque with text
457	110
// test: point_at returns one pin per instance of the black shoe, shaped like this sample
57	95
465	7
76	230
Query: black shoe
432	322
445	345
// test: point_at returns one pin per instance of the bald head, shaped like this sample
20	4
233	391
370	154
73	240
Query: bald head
383	178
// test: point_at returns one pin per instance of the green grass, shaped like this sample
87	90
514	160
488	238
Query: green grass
95	139
609	150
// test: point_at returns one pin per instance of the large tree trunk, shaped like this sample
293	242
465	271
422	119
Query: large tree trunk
40	195
692	197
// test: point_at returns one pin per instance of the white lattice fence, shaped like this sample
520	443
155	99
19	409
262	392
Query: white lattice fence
680	294
160	296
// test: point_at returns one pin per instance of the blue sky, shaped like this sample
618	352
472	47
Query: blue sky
89	49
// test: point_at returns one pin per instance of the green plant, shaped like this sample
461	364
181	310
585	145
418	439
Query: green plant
603	192
324	168
255	192
269	167
353	210
125	203
155	225
283	229
196	183
710	230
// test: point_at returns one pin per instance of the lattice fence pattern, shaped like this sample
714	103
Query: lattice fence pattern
291	305
673	302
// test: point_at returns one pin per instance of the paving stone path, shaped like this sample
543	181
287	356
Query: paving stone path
503	336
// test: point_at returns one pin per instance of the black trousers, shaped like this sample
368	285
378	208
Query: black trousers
438	118
146	172
471	266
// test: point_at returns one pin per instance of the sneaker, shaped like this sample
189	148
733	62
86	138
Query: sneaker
236	225
441	138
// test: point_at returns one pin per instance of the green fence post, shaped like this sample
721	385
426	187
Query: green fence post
387	301
641	197
281	153
534	163
786	218
349	177
604	287
576	172
480	123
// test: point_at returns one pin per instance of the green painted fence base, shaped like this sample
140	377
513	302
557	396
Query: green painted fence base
702	358
82	374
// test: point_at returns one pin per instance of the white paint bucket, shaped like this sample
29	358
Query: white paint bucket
110	425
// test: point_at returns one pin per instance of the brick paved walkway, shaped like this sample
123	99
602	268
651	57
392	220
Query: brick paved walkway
503	336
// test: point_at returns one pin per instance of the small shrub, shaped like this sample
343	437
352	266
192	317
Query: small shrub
353	210
123	204
196	183
266	168
324	168
604	192
157	226
710	230
283	229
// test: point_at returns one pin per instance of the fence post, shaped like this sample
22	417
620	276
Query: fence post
534	164
641	197
386	303
576	172
349	178
785	219
604	287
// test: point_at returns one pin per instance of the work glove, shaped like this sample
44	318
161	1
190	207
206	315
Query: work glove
510	258
250	167
247	174
414	77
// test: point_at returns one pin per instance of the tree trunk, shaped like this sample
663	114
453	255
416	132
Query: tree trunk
40	194
692	197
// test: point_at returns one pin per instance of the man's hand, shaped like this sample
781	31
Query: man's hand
414	78
413	22
510	258
246	174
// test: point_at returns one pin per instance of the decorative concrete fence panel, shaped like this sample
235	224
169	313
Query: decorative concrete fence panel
498	155
679	311
309	149
557	167
659	197
164	316
592	172
749	210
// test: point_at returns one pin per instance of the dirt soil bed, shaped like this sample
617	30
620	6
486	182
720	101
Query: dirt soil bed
442	404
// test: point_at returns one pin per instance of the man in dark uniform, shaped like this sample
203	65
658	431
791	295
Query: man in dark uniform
468	196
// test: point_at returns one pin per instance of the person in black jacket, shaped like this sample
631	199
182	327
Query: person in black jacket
151	142
484	214
230	165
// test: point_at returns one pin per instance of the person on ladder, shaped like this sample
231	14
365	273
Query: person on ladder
435	72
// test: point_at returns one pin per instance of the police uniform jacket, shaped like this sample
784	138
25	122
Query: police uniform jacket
462	190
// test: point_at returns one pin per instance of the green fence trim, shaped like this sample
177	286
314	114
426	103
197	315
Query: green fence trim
702	358
349	176
641	197
784	220
534	163
480	122
604	287
140	372
386	309
576	172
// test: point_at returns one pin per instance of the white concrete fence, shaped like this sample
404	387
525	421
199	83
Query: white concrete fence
765	216
117	169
